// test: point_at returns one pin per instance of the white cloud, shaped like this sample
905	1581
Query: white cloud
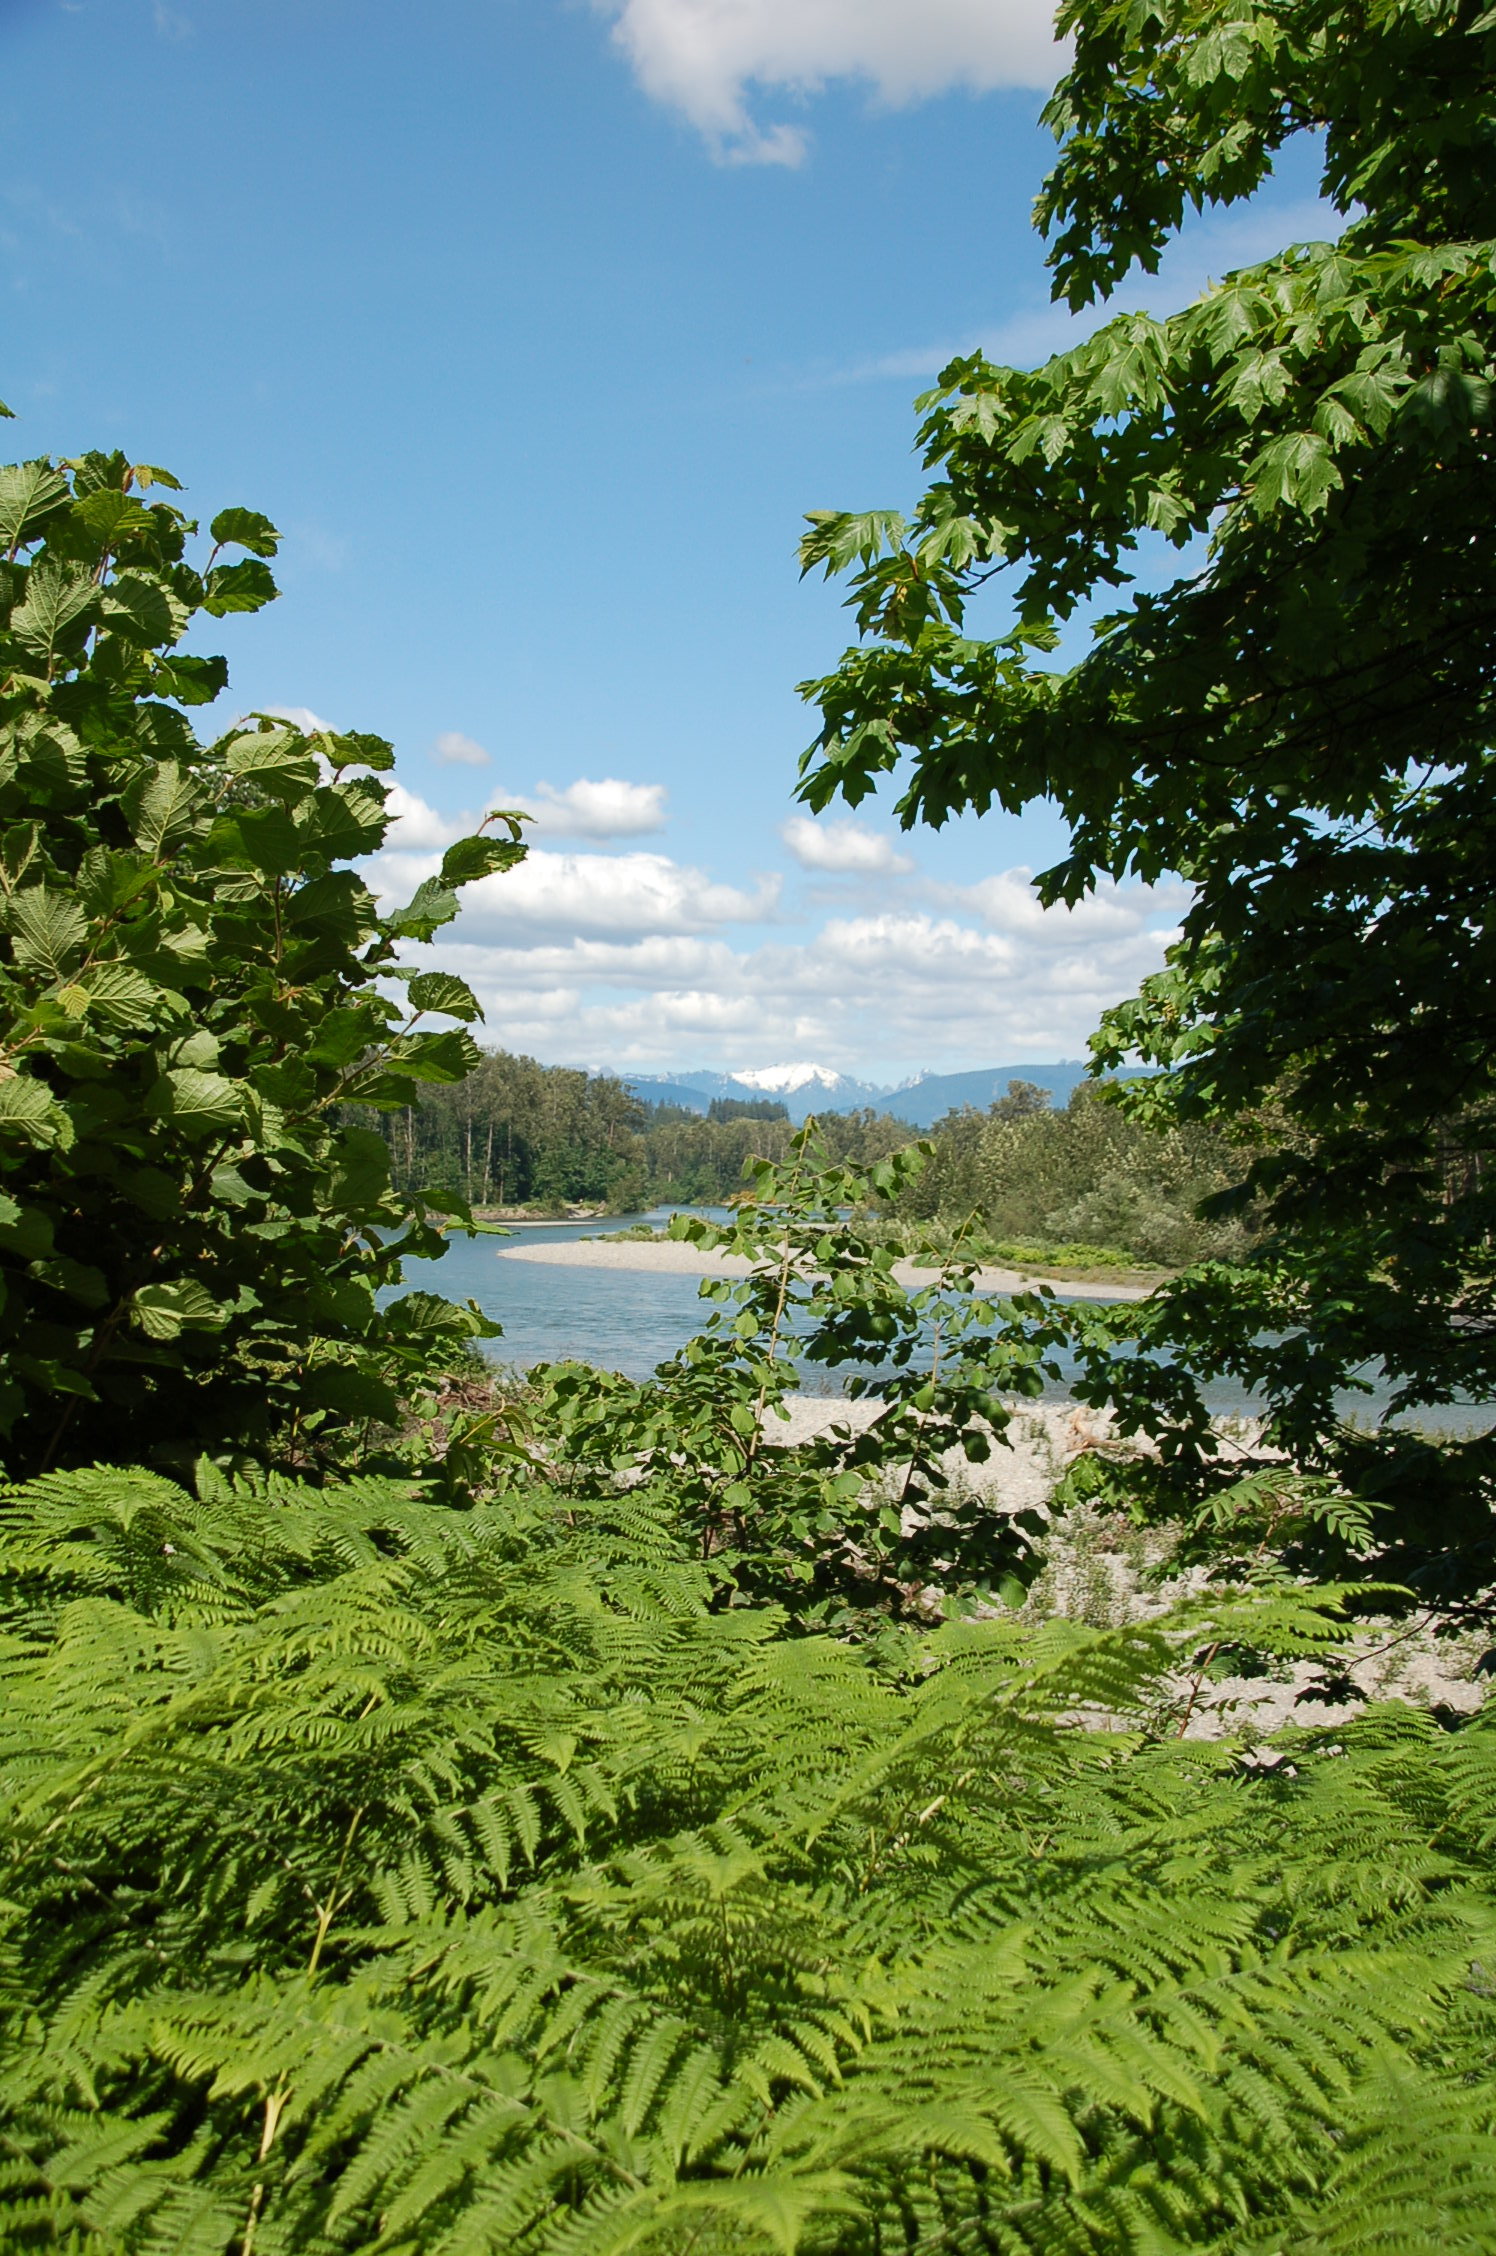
701	57
608	808
417	828
846	848
1007	903
454	750
302	717
629	958
996	979
610	894
565	896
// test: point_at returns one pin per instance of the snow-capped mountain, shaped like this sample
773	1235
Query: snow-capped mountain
801	1087
789	1080
805	1087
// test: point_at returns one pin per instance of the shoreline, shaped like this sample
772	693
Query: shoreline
672	1257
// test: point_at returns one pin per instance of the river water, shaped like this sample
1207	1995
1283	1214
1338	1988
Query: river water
629	1320
621	1319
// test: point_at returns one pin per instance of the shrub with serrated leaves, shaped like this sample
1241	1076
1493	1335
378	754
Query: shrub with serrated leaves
864	1520
193	984
386	1877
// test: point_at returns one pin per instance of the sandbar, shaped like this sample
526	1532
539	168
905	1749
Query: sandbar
673	1257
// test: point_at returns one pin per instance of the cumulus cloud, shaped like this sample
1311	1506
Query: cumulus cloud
417	828
569	895
612	894
634	959
845	848
599	811
302	717
702	57
1007	903
454	750
878	995
607	808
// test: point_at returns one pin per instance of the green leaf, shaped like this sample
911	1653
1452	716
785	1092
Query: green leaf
422	1314
357	750
164	1311
448	1056
120	996
60	599
472	858
25	1230
338	900
48	930
239	587
343	819
431	906
352	1391
30	494
245	528
165	807
77	1279
198	1103
113	517
441	991
141	611
278	760
192	681
29	1109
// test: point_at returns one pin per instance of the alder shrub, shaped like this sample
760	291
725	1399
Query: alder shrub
860	1522
193	985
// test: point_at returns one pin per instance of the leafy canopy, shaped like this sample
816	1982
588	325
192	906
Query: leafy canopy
1300	724
193	985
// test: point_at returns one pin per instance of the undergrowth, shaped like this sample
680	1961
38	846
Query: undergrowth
387	1876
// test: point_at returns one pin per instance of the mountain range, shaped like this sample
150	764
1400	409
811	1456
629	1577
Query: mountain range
805	1088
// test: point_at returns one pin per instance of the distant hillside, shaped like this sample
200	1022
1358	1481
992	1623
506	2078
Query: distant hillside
682	1093
801	1088
934	1094
813	1088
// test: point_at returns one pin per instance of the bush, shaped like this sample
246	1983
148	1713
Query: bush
1087	1174
192	986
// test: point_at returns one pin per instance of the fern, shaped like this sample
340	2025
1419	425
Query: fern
385	1876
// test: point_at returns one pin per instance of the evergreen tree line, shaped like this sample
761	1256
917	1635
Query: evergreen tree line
517	1133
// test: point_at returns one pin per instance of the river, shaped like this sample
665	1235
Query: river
629	1320
621	1319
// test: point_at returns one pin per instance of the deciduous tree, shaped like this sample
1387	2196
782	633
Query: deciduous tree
1300	724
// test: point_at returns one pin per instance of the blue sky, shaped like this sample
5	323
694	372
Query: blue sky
536	325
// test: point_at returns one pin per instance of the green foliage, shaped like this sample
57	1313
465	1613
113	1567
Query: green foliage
518	1133
193	986
386	1877
747	1108
1300	725
864	1521
512	1132
1080	1178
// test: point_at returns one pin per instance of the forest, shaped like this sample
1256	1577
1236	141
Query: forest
1086	1179
1016	1810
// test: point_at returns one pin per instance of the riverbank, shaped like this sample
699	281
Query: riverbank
671	1257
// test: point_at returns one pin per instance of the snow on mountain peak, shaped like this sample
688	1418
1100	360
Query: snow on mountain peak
783	1079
